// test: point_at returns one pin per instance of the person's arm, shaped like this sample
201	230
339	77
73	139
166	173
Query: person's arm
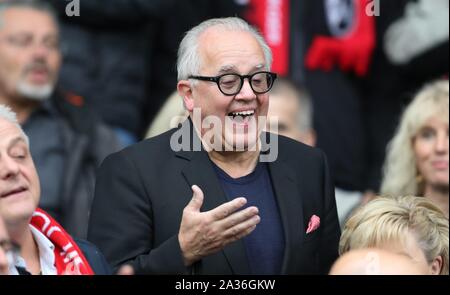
121	221
331	232
423	26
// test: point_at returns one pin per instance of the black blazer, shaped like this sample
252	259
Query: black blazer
142	190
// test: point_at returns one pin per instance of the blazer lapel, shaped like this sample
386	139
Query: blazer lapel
200	171
291	209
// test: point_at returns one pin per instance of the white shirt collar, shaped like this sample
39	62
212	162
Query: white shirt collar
46	255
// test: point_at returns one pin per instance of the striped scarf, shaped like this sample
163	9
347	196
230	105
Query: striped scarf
68	257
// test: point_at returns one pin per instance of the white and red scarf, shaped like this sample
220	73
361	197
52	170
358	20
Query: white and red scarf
272	18
68	257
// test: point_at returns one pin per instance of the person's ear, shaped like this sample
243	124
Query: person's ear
184	88
436	265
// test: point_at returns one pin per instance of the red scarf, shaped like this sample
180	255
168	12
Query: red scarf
68	257
272	18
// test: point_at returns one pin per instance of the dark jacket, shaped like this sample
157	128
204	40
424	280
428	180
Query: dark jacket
86	142
94	257
141	193
107	51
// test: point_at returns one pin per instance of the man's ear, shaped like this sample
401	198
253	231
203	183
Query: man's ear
436	265
185	91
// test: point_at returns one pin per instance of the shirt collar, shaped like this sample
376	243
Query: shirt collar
46	255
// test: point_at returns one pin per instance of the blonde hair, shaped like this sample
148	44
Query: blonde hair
400	170
388	220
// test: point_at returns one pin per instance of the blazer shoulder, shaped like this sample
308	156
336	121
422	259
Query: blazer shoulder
293	149
154	148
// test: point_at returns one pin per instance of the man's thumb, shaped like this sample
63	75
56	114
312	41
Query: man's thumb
197	198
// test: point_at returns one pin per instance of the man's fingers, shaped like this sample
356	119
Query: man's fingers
197	199
241	230
239	217
227	209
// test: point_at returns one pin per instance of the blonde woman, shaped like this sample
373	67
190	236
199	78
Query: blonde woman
417	157
409	225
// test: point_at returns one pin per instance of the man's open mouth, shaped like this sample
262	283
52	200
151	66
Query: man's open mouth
241	116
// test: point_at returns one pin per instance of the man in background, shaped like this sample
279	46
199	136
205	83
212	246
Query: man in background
292	107
68	141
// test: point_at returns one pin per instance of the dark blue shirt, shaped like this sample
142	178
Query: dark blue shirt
265	245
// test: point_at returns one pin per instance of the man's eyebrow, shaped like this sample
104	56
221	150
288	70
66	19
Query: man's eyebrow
228	68
16	141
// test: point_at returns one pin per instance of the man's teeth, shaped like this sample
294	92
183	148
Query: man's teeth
244	114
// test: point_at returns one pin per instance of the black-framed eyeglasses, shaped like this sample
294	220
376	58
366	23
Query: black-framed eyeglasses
231	84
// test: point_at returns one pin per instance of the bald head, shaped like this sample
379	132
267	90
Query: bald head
376	262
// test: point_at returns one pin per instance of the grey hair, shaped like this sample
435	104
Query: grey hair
284	86
33	4
189	60
7	114
400	168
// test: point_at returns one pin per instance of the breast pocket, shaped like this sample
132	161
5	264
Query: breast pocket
311	237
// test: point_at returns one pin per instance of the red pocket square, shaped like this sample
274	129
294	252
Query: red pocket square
313	224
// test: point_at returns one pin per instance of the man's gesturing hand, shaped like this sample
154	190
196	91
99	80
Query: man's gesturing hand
205	233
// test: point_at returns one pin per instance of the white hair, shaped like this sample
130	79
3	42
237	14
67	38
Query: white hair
189	59
7	114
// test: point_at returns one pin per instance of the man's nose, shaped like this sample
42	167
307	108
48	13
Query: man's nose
246	92
8	167
40	51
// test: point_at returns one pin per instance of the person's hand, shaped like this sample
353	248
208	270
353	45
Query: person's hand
423	26
205	233
125	270
72	269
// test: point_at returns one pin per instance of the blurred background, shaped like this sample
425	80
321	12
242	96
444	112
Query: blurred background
356	63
